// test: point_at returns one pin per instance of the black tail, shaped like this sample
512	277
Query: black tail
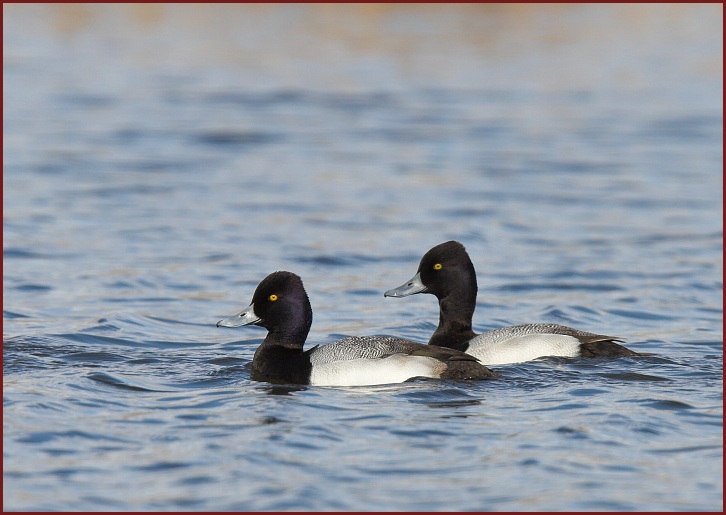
607	348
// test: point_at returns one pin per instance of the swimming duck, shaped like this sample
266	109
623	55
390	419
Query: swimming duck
281	305
447	272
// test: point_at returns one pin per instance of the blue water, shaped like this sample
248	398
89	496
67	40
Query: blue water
159	161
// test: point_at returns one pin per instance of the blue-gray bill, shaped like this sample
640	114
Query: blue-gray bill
245	317
414	285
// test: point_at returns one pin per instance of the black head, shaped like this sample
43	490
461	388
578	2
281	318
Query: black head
447	267
280	302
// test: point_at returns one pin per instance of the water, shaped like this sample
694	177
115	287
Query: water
159	161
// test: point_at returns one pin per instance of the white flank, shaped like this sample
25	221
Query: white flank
519	349
363	372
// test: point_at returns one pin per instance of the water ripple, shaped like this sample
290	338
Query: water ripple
127	383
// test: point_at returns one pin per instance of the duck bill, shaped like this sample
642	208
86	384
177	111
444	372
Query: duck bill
245	317
410	287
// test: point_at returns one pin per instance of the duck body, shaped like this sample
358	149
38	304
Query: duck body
281	305
520	343
447	272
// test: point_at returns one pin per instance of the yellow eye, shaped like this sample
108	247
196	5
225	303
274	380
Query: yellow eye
273	297
438	266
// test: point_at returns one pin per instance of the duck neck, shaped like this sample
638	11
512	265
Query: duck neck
456	310
292	333
280	357
292	342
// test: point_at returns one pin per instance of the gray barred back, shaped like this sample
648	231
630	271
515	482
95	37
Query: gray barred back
505	333
357	347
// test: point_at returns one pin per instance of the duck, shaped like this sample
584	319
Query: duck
281	305
447	272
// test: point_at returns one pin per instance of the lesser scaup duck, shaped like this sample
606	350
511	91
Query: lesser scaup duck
447	272
281	305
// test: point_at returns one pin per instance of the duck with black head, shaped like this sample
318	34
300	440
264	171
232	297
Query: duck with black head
281	305
447	272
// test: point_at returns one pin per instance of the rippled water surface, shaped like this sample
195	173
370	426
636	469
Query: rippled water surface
159	161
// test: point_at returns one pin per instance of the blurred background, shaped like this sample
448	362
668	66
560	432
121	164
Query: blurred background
381	47
159	160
